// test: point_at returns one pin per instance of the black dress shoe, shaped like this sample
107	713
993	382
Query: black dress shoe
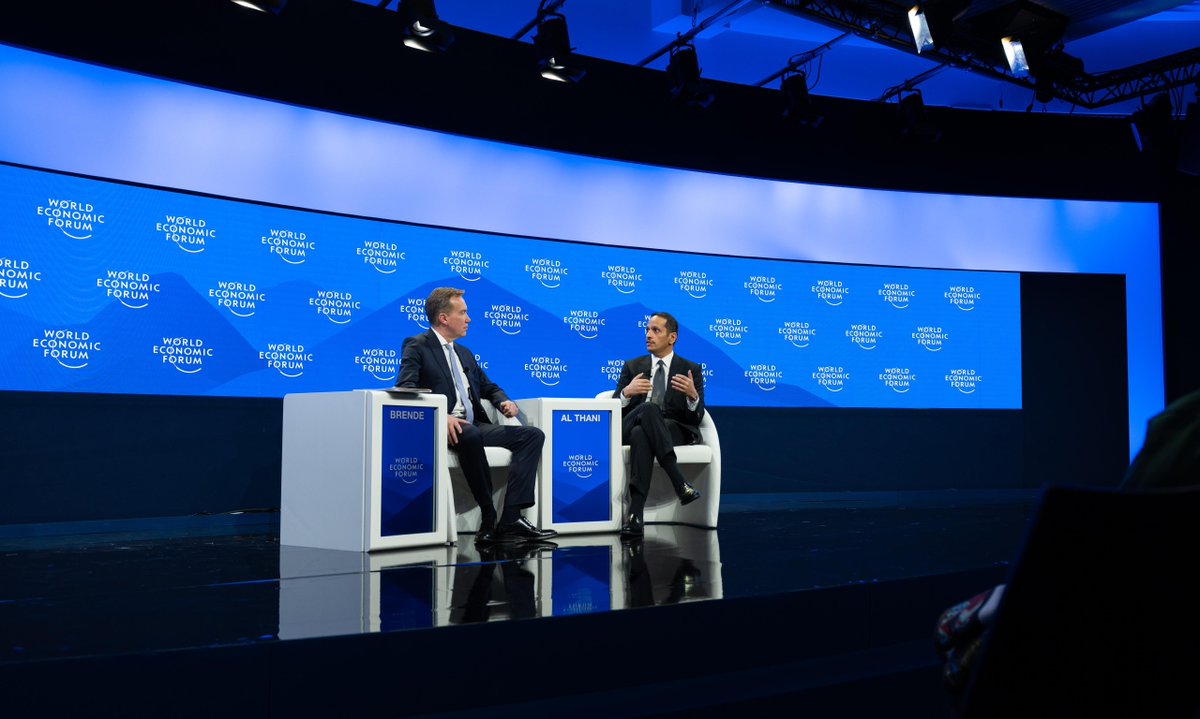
487	533
633	527
522	531
687	494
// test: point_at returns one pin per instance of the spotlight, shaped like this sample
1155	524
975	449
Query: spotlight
799	106
684	71
1152	125
422	29
919	22
554	47
272	6
917	125
1189	142
1014	52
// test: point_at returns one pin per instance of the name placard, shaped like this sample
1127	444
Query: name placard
582	470
407	502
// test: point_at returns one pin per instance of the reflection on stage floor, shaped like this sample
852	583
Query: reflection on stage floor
327	593
148	591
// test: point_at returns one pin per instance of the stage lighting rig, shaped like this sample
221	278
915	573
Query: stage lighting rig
272	6
683	69
422	29
554	49
798	104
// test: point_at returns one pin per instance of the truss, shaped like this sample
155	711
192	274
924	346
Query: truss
887	24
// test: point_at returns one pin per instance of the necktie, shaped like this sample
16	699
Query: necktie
459	384
659	386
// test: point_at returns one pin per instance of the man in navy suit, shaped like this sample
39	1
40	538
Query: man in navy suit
662	400
435	360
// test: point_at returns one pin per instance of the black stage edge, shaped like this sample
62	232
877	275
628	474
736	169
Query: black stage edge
844	645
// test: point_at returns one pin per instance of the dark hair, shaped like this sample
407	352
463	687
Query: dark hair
669	320
438	302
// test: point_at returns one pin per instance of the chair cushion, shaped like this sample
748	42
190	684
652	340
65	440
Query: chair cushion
684	454
496	457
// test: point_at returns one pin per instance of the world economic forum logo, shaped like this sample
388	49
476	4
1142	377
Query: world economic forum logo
963	379
798	334
831	292
72	349
509	319
380	362
611	370
289	245
864	336
467	265
406	469
548	272
897	294
240	298
132	289
832	378
621	278
547	370
15	276
77	220
585	323
694	284
931	337
763	288
190	234
383	257
764	376
964	297
729	330
898	379
286	358
185	354
337	307
413	310
582	464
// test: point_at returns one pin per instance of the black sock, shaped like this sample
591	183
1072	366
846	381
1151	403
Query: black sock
511	514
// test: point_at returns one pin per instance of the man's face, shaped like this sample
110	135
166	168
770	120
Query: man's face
454	322
658	340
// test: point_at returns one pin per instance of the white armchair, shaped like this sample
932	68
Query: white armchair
464	511
701	466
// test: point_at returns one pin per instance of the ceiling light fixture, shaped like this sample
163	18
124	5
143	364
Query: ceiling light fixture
798	104
917	125
1014	53
272	6
422	29
683	69
919	22
554	50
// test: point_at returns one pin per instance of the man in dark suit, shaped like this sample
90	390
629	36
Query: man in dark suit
662	400
434	360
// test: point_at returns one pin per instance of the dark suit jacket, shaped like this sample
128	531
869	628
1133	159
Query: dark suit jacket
675	407
423	364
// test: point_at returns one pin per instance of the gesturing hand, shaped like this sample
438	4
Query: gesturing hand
686	385
639	385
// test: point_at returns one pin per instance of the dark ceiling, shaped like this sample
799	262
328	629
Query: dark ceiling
1112	53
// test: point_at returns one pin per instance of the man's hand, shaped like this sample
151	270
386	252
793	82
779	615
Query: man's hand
686	385
639	385
508	408
454	427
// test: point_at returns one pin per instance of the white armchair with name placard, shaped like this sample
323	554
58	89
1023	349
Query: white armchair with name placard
464	511
701	466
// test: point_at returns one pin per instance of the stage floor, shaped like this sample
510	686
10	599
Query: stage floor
150	591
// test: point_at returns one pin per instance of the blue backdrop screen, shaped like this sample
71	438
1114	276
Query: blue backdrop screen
108	287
